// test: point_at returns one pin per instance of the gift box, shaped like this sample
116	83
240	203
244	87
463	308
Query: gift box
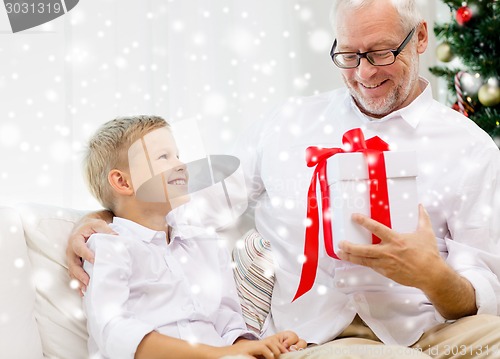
362	176
351	188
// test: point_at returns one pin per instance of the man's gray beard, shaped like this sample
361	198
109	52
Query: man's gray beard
391	101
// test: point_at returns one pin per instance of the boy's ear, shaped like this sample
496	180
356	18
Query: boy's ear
120	182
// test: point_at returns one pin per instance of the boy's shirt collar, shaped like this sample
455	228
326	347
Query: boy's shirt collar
178	230
139	231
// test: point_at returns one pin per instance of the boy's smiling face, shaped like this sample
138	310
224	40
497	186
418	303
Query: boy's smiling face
156	171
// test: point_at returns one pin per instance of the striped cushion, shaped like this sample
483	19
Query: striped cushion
254	275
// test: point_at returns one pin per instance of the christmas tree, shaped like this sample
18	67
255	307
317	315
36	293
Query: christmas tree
472	37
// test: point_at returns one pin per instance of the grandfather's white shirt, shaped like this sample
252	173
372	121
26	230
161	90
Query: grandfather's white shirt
458	180
139	283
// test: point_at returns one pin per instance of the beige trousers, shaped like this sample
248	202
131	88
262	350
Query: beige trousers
476	336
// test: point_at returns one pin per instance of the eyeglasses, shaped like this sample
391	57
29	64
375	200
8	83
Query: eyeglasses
351	60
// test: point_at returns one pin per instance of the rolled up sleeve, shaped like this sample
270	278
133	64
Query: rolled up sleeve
474	249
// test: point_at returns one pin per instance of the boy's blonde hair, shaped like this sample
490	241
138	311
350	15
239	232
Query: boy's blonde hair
108	150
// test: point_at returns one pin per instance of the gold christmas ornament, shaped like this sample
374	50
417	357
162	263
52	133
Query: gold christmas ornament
489	93
444	52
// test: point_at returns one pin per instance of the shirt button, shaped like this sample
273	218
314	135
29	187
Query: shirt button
183	323
358	297
340	283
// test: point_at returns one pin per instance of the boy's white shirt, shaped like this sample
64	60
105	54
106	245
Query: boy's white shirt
139	283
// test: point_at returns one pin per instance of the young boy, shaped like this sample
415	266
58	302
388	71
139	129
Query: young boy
157	289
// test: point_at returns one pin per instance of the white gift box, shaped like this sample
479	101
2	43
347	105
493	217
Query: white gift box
350	189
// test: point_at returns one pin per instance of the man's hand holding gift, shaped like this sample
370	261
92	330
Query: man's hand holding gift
413	259
410	259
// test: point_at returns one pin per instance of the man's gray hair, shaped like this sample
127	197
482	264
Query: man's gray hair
408	11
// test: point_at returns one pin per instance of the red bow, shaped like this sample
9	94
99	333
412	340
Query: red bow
373	149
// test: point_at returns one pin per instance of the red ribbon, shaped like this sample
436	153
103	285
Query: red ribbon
379	198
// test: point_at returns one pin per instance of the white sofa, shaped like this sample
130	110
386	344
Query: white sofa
40	310
40	314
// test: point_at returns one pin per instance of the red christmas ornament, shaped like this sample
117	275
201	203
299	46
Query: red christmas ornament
464	15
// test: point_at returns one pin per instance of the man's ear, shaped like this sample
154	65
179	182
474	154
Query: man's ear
423	37
120	182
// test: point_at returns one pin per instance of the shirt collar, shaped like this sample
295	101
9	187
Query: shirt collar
411	114
138	231
178	229
186	225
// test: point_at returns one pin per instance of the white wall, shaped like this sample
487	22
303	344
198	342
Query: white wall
211	67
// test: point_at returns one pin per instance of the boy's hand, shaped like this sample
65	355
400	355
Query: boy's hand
291	340
267	348
77	250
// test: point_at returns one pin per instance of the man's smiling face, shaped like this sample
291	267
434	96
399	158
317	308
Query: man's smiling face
379	90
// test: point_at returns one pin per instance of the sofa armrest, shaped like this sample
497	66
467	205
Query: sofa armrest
18	328
58	306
